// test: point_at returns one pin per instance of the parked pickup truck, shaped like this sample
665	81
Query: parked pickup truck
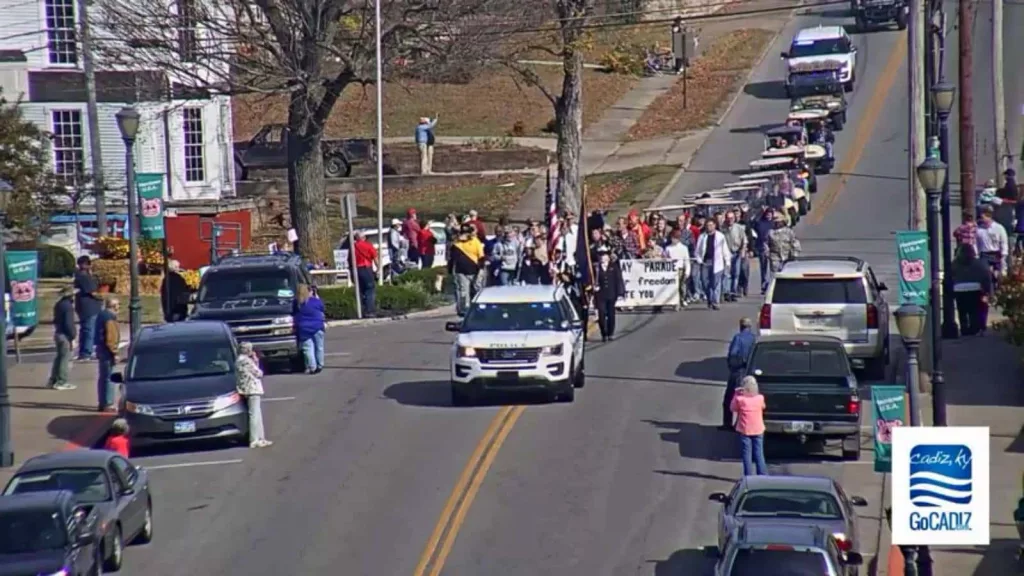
809	389
268	150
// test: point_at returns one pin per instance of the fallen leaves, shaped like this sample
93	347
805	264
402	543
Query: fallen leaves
710	81
621	189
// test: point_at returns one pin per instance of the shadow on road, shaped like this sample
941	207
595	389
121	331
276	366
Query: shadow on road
437	393
690	562
713	368
769	90
1000	557
854	30
70	427
759	129
697	475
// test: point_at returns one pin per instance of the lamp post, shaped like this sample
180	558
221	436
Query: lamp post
6	450
943	95
128	124
911	321
932	175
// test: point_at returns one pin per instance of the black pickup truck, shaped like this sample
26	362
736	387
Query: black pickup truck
809	389
47	533
268	150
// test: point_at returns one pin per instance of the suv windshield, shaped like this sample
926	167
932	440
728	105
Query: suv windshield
24	531
826	47
180	360
512	317
89	485
800	359
779	562
819	291
240	284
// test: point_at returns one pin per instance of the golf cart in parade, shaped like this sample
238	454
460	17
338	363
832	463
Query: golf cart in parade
873	12
795	203
820	90
792	142
799	170
672	211
819	133
706	207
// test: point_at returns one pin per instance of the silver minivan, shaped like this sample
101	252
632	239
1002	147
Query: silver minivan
835	296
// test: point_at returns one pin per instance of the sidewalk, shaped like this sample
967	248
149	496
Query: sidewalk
985	387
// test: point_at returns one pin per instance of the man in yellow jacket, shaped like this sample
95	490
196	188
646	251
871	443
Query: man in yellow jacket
464	264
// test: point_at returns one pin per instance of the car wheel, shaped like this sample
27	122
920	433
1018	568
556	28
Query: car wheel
848	87
337	167
145	536
861	24
97	563
874	368
901	20
115	555
838	121
566	394
850	453
580	378
460	398
804	208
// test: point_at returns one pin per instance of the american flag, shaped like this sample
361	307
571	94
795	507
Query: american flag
554	230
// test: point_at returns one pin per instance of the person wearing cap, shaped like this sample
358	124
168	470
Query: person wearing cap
411	231
464	264
425	143
63	339
365	260
783	244
398	247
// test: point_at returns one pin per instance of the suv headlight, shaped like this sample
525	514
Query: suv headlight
465	352
283	321
142	409
552	350
226	401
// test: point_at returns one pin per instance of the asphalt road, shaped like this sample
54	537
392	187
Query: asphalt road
367	453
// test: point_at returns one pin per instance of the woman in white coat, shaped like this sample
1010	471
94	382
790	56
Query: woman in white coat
713	252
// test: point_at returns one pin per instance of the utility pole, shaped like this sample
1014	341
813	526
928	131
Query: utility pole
965	22
917	120
998	96
92	110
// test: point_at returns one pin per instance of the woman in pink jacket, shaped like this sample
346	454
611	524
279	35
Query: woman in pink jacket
748	406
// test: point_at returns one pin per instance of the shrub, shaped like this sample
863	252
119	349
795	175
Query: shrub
1010	299
340	304
113	248
55	262
624	58
425	279
518	129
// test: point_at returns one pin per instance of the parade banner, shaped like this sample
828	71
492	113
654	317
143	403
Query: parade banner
649	283
22	274
915	267
151	204
889	410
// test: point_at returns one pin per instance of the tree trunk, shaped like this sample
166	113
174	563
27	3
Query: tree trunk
569	122
306	192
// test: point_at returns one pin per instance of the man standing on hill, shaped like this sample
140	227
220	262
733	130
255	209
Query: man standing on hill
425	143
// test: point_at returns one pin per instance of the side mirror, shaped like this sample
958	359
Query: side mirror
117	378
784	55
712	552
719	497
577	324
858	501
853	559
128	492
452	326
853	50
882	287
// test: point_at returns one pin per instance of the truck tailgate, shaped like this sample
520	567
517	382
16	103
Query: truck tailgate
810	398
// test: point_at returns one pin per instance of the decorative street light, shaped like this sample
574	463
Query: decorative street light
932	175
943	95
128	124
6	450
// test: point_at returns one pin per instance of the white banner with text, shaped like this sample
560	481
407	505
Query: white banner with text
649	283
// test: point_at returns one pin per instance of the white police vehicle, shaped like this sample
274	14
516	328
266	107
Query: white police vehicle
518	338
822	48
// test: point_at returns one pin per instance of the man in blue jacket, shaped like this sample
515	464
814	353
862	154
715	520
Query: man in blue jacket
762	227
739	350
63	339
425	143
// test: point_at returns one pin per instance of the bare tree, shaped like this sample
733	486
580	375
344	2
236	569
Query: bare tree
566	41
310	50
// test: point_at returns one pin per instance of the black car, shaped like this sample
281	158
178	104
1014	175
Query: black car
268	150
874	12
782	550
103	483
255	295
179	384
809	389
47	533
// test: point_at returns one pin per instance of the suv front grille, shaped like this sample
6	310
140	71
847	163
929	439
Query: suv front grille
508	355
187	410
250	328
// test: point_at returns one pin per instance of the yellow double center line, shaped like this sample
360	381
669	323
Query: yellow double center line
454	514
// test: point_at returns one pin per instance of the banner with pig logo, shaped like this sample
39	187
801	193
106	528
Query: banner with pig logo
151	204
915	267
22	275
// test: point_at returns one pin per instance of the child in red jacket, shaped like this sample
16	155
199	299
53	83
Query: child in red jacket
117	440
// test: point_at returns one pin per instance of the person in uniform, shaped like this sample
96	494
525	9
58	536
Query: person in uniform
783	244
609	287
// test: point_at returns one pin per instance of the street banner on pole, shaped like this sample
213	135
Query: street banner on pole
22	274
151	204
915	266
889	410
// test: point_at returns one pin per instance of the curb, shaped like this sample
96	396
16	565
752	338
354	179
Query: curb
448	310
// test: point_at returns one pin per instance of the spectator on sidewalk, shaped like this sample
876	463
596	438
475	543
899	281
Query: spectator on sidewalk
425	143
310	322
464	264
107	343
250	387
366	260
117	438
411	231
398	247
748	404
972	284
993	244
63	339
88	304
174	293
427	244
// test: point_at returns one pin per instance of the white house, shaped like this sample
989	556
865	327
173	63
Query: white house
184	135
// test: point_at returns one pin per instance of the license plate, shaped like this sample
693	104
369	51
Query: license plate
184	427
817	322
798	426
508	377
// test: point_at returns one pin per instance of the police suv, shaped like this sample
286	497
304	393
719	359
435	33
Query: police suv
518	338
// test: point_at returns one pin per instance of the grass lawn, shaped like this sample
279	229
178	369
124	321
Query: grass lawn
711	81
487	106
635	188
151	313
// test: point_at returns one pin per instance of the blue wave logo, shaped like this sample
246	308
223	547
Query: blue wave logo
940	475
